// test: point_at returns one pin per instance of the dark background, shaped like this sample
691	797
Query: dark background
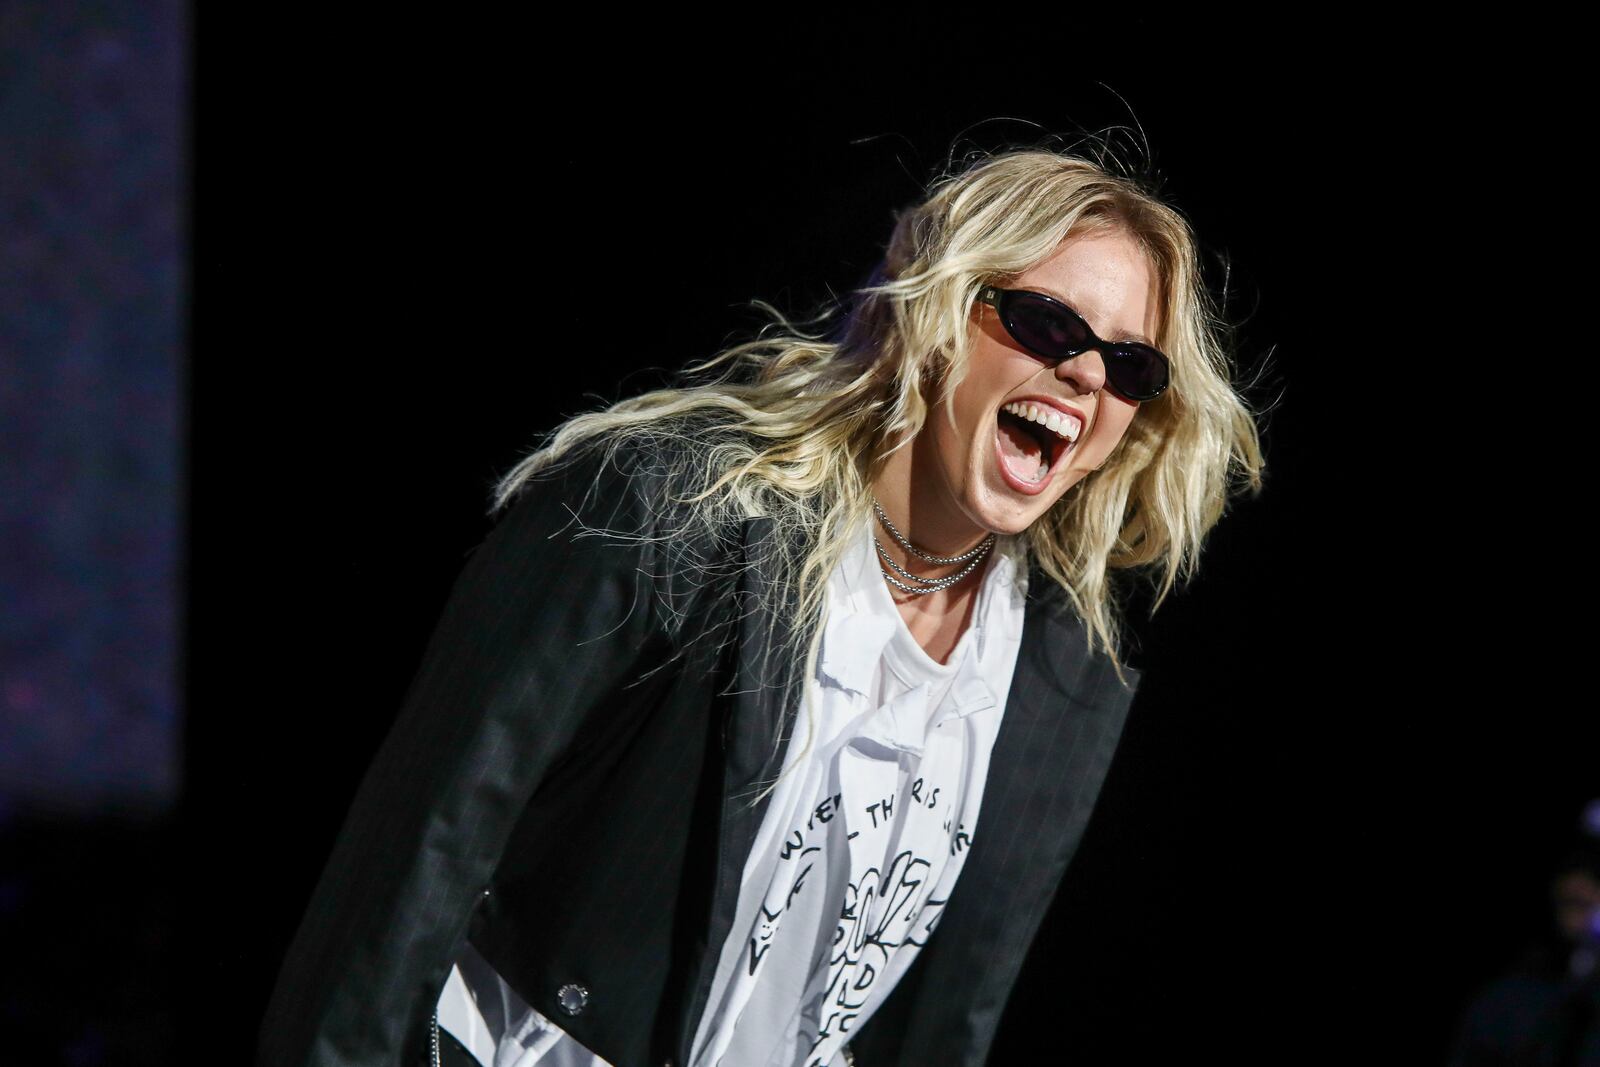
416	246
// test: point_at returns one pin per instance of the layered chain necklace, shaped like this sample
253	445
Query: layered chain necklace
923	586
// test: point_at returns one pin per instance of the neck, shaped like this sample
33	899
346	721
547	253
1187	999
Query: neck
913	493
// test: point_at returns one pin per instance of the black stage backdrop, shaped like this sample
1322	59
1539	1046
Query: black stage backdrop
1358	745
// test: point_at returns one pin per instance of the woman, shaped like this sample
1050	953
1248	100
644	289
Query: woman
750	673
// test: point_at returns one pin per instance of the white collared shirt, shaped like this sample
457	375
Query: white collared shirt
857	852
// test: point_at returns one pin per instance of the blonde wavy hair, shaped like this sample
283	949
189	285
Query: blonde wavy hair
796	426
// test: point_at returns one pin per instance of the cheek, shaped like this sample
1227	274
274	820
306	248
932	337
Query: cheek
952	445
1117	426
1109	429
975	401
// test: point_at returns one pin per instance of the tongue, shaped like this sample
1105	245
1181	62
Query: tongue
1020	450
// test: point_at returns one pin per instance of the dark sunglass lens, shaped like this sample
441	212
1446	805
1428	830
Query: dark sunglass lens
1137	372
1046	328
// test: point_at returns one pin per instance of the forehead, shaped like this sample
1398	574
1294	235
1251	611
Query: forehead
1107	278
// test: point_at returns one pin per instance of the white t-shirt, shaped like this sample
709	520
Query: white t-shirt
857	852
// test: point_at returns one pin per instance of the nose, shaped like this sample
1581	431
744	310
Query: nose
1086	371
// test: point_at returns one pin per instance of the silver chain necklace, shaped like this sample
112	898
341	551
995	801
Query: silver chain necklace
972	557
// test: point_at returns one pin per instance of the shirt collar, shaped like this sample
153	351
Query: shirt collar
860	626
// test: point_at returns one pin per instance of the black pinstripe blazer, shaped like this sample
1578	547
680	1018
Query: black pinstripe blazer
567	784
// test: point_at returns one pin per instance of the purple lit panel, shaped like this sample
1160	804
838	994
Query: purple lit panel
91	103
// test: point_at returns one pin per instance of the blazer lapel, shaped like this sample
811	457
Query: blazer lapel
757	714
759	706
1062	721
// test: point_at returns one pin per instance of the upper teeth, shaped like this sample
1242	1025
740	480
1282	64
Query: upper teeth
1062	424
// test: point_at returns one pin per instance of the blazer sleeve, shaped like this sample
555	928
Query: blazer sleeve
546	621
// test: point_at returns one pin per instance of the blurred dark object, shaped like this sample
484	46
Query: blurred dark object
1545	1012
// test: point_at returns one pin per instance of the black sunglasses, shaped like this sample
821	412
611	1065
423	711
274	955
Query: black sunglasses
1054	332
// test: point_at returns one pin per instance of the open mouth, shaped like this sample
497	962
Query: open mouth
1033	438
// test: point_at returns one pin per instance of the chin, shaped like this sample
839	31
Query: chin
1001	506
999	511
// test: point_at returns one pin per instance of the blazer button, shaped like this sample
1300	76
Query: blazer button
572	997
